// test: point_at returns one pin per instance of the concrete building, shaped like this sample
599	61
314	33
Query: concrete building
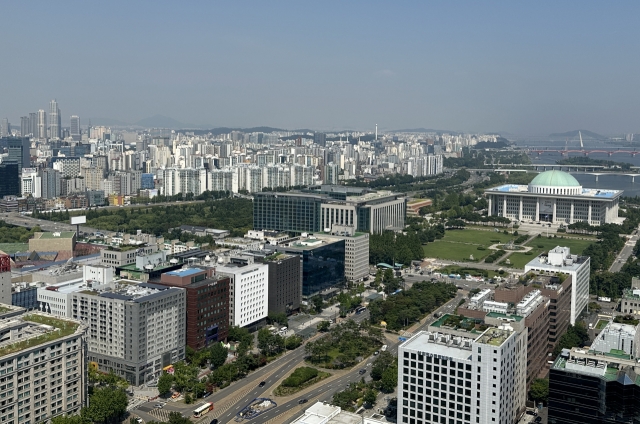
615	337
560	260
319	208
356	251
285	282
249	292
630	301
118	256
43	367
135	329
63	242
324	413
207	304
556	197
448	378
5	279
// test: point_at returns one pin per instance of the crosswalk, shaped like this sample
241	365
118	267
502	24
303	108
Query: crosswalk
161	414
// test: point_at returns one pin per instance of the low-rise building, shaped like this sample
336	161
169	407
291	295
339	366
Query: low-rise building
63	242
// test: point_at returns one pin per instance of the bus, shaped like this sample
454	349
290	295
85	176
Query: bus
360	309
201	410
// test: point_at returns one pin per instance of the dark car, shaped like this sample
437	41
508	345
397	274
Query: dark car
262	383
301	401
538	419
214	421
362	371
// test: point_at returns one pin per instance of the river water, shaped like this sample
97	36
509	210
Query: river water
611	182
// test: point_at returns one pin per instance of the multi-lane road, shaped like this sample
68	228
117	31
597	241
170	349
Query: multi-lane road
229	401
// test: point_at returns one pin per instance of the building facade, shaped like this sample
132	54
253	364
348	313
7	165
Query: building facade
555	197
46	376
560	260
451	379
285	282
207	304
249	292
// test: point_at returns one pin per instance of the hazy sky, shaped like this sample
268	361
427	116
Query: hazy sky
522	67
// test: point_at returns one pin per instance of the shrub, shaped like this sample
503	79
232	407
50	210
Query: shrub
300	376
482	248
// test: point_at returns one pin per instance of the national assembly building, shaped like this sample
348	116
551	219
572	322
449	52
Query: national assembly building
555	197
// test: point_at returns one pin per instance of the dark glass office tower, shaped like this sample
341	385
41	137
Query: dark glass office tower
292	212
593	390
9	176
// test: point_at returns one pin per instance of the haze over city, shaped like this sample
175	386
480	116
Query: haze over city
524	69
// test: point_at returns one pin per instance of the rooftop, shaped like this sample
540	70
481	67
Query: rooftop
57	235
555	179
440	344
185	272
499	315
34	329
585	193
494	336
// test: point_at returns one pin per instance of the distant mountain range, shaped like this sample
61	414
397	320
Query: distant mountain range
425	130
155	121
586	134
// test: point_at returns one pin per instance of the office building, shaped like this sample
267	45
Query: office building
555	197
207	304
135	329
55	126
323	261
63	242
43	366
320	139
356	251
10	177
50	179
74	128
249	292
445	378
19	152
317	209
593	386
30	183
285	282
69	167
560	260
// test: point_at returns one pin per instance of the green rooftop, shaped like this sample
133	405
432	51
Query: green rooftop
63	234
517	318
62	328
555	179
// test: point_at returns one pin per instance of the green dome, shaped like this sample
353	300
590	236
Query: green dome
555	179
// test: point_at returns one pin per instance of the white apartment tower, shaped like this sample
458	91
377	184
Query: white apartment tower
55	120
445	378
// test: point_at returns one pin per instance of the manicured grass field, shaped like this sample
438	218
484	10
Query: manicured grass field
519	260
458	245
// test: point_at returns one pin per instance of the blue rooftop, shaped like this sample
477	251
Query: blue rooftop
185	272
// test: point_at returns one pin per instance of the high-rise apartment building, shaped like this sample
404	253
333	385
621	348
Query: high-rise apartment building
33	124
55	126
24	126
43	366
331	173
74	128
444	378
41	130
50	180
5	128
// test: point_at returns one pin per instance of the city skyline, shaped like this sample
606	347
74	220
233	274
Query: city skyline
491	67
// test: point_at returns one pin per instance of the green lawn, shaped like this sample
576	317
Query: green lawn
11	248
458	245
601	324
519	260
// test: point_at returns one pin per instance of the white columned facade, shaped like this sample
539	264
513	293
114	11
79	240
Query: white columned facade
571	216
489	208
520	211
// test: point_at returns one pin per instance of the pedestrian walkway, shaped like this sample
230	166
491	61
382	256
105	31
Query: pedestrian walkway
161	414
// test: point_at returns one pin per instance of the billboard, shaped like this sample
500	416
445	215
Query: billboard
76	220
